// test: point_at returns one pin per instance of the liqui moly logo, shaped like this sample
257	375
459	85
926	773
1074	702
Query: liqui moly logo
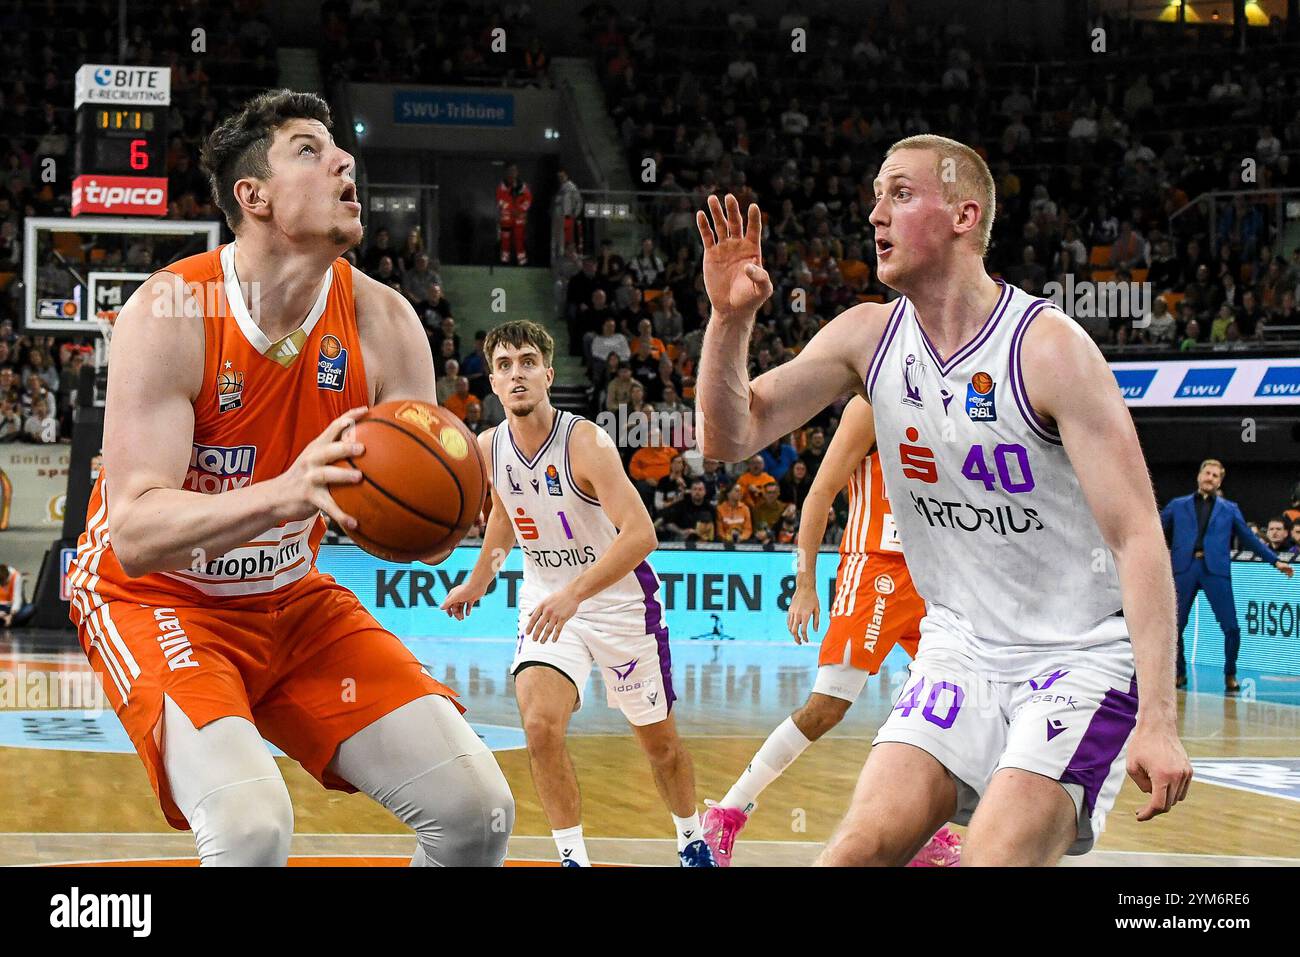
120	195
217	468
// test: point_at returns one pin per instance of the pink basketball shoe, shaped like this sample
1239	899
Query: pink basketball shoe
721	825
943	850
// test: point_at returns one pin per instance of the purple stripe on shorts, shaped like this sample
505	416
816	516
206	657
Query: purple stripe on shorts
655	625
1102	743
882	347
666	667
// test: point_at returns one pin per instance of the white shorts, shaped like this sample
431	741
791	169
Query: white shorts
636	667
840	681
1070	723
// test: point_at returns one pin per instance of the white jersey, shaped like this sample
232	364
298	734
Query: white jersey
563	531
995	529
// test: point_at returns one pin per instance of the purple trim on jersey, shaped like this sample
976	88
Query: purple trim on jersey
568	472
969	348
882	347
555	430
1040	428
1102	743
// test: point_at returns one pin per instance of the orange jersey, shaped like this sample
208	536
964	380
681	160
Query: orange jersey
870	527
876	605
260	404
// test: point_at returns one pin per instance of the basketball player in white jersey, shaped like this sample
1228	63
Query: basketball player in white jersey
559	489
1024	503
876	608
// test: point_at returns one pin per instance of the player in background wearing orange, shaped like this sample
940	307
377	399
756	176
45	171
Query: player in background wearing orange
236	377
876	607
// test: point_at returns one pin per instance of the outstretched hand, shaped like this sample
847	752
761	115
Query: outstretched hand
734	276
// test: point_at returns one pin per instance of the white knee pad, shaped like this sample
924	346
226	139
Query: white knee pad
225	782
245	824
427	766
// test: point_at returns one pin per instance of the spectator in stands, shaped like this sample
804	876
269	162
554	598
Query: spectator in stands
834	528
446	351
41	425
460	400
672	488
666	378
733	520
1161	325
475	368
1292	551
766	514
446	332
446	382
647	350
1277	534
1165	270
714	475
387	273
691	518
417	280
651	463
381	247
1191	336
409	257
666	320
796	483
14	610
609	264
778	457
11	420
648	267
1202	525
753	480
38	364
815	451
474	416
620	389
609	343
1219	328
1250	316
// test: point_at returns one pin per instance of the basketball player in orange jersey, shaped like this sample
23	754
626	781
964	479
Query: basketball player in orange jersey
236	375
1045	668
876	607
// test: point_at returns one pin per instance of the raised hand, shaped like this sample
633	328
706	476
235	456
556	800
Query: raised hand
734	276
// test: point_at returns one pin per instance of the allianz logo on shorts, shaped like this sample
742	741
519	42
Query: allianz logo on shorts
220	468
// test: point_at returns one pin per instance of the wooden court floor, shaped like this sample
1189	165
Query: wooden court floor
70	794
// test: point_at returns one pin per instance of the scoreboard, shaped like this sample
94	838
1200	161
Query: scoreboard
122	119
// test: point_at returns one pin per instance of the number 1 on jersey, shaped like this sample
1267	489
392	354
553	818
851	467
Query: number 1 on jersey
568	532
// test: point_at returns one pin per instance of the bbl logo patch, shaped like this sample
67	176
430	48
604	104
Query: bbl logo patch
332	366
230	390
553	481
980	406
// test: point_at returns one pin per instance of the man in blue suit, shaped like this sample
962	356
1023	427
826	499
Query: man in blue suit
1203	525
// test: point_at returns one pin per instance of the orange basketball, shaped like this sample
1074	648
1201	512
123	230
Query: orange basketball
983	382
424	481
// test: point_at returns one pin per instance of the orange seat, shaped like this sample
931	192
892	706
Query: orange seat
1103	275
1172	299
1139	275
1100	255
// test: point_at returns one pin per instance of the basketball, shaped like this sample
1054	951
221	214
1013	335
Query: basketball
424	481
983	382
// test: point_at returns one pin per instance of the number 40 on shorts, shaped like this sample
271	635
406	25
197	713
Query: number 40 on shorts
910	700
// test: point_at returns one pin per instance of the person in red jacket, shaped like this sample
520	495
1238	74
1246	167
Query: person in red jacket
513	199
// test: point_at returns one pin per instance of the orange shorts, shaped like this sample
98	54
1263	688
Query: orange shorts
876	607
309	673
